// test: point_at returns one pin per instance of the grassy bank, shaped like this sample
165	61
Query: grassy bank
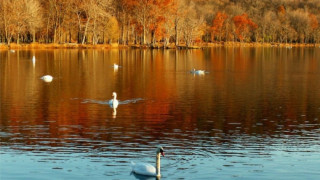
59	46
156	46
241	44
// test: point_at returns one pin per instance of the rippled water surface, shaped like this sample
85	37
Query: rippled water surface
254	114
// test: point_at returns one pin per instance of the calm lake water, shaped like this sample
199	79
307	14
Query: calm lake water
255	114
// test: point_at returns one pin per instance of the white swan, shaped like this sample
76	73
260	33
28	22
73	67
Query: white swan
148	169
114	102
194	71
47	78
115	66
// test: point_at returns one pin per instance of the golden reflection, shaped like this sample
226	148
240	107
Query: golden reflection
33	62
251	90
114	112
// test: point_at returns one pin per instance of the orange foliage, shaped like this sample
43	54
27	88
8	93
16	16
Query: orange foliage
243	25
313	21
281	10
157	18
139	28
160	30
218	22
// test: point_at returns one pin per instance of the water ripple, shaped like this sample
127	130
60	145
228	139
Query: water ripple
129	101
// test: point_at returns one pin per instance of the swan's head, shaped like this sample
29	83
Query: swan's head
114	94
160	150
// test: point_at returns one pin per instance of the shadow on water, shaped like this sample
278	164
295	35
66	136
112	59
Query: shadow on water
142	177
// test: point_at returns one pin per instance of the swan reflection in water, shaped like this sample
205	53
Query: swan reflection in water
33	61
113	103
114	113
142	177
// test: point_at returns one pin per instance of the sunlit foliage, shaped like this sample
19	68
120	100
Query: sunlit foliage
149	22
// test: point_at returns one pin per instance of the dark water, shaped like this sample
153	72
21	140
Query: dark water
253	115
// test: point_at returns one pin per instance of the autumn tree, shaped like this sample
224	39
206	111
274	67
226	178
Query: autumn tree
270	26
284	26
179	13
98	21
14	18
314	25
192	25
33	19
243	26
218	24
142	11
7	19
230	29
160	13
55	13
299	20
111	30
168	26
123	10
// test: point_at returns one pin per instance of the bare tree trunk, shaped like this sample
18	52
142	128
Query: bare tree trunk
144	30
212	37
55	35
263	34
85	31
176	34
153	38
47	38
34	36
135	38
127	38
79	28
122	31
144	36
94	32
122	34
166	42
103	38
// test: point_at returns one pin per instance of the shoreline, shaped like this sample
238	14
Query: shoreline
15	46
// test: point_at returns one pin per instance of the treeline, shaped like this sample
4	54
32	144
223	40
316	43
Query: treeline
153	21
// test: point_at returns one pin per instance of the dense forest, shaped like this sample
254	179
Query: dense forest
159	21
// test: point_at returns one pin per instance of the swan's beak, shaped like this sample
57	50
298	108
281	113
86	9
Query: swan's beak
162	153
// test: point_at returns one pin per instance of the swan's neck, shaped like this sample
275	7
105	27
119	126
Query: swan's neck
114	98
158	165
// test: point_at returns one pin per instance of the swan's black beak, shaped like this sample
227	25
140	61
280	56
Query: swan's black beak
162	152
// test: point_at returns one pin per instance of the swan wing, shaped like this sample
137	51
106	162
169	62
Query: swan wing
110	102
143	169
